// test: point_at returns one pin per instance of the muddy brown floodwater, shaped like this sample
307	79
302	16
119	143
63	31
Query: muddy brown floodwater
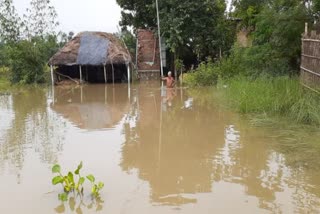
157	151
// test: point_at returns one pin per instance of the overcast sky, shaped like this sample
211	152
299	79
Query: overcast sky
79	15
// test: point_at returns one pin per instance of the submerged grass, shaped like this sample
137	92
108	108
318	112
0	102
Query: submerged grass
280	96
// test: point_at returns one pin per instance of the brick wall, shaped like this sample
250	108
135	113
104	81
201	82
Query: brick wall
148	54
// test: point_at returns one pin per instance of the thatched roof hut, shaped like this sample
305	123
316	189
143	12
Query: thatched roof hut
96	53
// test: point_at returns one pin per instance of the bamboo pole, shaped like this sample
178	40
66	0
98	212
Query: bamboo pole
112	73
159	35
105	73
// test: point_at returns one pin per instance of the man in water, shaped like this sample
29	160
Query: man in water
169	93
169	80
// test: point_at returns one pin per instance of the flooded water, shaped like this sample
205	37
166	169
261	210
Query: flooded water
156	150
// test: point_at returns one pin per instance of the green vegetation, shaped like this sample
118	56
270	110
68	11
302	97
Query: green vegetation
261	79
197	26
4	82
95	187
71	185
280	97
27	42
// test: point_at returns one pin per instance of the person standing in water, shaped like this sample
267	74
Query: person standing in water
169	80
169	92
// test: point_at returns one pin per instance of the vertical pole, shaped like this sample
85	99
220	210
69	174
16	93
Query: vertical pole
52	80
112	73
80	74
105	73
159	35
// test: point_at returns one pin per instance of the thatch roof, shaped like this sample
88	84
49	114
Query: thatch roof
92	48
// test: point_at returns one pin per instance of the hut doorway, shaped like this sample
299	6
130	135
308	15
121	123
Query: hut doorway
116	73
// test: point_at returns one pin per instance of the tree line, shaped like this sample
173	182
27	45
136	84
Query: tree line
27	41
208	30
204	29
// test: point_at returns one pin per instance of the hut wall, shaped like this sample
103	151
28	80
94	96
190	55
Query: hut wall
148	59
310	61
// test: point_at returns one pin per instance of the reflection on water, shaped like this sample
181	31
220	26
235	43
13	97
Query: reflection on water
92	107
76	204
157	150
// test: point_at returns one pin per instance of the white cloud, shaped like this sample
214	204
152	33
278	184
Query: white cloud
76	15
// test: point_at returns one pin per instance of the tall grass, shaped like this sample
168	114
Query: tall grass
277	96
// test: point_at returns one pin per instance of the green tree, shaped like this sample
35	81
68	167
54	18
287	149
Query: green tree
40	19
9	22
200	25
26	44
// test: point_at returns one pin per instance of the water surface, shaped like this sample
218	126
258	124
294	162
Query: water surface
156	150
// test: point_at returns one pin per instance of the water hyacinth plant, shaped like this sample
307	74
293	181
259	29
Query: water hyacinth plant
70	184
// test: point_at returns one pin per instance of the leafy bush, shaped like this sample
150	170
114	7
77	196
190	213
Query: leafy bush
206	74
27	59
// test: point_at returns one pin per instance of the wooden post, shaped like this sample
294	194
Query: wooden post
52	79
112	73
80	74
105	73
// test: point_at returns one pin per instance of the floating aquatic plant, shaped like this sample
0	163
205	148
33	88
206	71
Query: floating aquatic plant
71	184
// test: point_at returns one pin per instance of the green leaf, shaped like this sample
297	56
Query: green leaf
80	165
81	180
78	169
57	180
100	185
70	177
91	178
63	196
56	168
94	189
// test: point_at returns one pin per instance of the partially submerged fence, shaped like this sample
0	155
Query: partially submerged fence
310	61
